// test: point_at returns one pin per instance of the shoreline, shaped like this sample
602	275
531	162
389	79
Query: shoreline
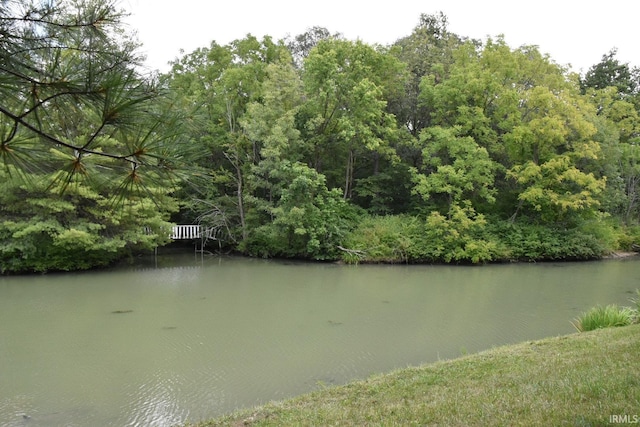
620	254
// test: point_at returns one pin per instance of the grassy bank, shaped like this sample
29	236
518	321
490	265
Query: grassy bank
576	380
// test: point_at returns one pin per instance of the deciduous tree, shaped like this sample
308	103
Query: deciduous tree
455	167
347	84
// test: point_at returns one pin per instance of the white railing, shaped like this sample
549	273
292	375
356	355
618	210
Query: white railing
182	232
188	232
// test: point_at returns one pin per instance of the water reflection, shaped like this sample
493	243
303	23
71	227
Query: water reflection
195	338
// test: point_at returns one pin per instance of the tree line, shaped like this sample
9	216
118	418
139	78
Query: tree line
437	148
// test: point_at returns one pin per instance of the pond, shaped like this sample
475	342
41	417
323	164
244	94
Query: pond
184	338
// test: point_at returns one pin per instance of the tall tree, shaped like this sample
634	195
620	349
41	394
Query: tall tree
217	84
69	83
89	149
43	230
618	122
270	125
456	168
428	50
301	45
610	72
530	117
347	84
309	220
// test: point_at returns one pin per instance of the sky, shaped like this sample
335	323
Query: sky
574	33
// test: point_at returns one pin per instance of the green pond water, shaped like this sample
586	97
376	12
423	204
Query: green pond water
184	338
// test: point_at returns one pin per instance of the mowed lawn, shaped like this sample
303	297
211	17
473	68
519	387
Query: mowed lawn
583	379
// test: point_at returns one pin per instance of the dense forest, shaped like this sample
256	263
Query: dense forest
437	148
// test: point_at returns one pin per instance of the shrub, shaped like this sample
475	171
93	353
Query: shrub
387	238
629	238
43	230
462	237
604	317
309	220
605	230
533	242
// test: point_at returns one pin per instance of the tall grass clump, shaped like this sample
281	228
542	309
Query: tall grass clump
604	317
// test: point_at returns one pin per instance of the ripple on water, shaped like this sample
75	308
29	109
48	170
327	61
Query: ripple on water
156	403
168	397
17	410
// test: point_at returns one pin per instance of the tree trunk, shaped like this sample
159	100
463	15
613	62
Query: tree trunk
348	181
376	163
536	154
243	225
512	219
239	190
632	197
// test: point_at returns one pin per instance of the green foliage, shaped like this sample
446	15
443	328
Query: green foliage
628	237
619	131
346	85
606	231
383	239
457	167
472	152
427	51
461	238
73	102
468	237
610	316
241	99
609	72
89	147
387	192
309	220
530	119
42	230
605	317
557	189
531	242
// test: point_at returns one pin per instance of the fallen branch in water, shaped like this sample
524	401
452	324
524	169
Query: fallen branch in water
356	252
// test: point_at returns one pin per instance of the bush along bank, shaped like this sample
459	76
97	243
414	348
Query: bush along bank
466	237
